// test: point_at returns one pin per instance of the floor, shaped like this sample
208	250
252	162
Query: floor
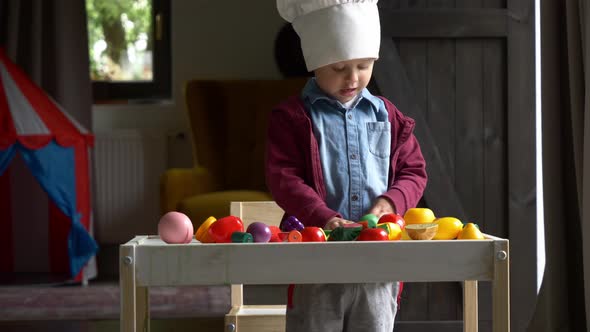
95	308
43	303
157	325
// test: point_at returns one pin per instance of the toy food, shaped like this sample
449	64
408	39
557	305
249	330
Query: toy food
352	225
394	218
241	237
274	231
364	224
373	234
448	228
394	231
370	219
260	231
294	236
419	216
175	227
283	236
202	233
345	233
312	234
470	232
405	235
421	231
221	230
291	223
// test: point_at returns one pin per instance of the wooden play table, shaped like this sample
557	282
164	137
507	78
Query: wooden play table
147	261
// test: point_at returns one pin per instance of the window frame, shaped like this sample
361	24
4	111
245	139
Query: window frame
160	86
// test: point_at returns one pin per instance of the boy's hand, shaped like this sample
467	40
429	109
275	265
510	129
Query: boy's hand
382	206
336	222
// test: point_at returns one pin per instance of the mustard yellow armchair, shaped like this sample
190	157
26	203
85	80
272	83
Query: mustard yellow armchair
228	121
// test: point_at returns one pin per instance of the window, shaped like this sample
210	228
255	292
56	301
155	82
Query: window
129	49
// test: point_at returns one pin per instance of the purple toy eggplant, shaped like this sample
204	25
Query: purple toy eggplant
291	223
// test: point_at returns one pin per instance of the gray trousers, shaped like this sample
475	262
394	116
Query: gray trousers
343	307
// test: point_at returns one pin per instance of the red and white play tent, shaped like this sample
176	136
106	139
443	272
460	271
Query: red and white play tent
55	148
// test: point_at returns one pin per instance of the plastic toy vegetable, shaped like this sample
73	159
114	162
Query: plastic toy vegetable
260	231
202	233
274	231
291	223
394	232
370	219
394	218
294	236
373	234
346	232
241	237
221	230
313	234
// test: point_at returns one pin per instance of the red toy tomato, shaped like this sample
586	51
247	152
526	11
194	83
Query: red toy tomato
221	230
373	234
313	234
394	218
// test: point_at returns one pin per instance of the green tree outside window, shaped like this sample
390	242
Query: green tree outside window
120	40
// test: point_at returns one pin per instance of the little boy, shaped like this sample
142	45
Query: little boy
337	152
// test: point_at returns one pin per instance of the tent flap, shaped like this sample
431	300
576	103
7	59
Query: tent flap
54	147
6	157
54	168
81	246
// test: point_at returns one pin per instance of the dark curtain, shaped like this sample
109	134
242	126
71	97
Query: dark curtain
561	304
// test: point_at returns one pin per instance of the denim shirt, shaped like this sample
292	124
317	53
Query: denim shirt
354	147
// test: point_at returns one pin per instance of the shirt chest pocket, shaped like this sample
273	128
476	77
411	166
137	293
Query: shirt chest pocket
379	138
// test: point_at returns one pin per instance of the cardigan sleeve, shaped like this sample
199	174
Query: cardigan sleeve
288	174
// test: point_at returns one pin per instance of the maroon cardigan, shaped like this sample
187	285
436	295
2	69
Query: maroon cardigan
294	172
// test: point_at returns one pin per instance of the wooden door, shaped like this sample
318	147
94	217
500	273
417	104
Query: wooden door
464	70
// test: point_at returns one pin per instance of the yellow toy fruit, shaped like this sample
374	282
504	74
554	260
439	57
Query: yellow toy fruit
419	216
448	228
394	232
470	232
405	235
422	231
202	233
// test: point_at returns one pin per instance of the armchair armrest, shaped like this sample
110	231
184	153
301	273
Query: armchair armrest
177	184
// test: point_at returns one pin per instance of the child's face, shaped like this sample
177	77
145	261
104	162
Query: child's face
344	80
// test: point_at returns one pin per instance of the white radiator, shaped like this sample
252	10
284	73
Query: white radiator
127	169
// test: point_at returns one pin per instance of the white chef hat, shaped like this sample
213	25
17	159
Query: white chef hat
334	30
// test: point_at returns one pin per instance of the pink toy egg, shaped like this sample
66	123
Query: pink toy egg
175	227
189	230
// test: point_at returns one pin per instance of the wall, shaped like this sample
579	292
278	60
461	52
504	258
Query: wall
210	39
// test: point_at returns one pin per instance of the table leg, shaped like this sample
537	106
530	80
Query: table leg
135	314
501	288
142	307
470	317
